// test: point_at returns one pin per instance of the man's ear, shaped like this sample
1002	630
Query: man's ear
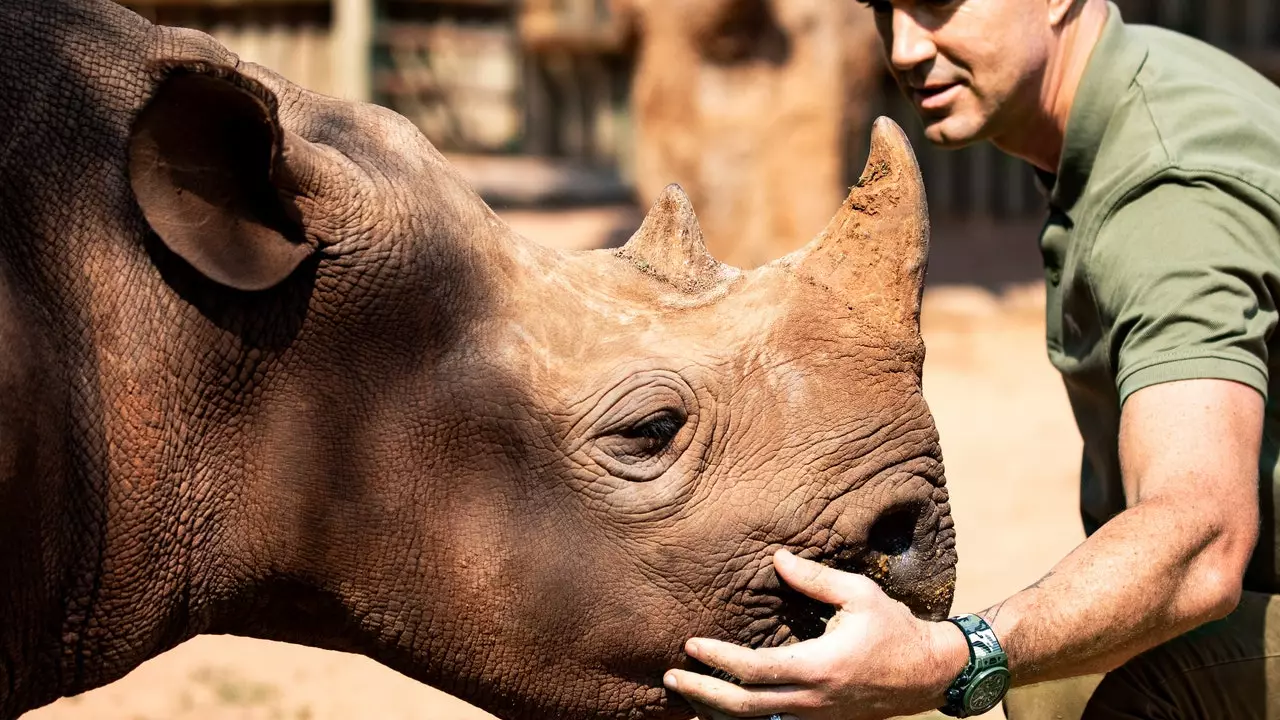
206	164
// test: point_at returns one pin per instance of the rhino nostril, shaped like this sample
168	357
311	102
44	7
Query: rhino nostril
894	532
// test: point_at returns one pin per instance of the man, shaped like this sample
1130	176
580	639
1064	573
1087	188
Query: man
1161	160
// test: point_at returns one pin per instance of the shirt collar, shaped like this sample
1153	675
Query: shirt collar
1112	67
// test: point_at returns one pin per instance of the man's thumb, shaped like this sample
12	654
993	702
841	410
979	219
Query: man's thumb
820	582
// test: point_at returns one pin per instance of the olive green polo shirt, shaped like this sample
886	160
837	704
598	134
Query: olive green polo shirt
1162	246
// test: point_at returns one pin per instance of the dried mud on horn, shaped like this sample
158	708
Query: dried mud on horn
875	250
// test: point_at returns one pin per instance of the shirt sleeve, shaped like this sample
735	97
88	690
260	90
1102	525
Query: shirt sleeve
1183	278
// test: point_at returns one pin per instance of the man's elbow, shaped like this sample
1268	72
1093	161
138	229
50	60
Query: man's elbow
1219	584
1216	596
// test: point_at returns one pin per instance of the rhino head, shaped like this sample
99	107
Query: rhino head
334	400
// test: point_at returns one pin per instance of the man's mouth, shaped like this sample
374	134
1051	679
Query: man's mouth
935	95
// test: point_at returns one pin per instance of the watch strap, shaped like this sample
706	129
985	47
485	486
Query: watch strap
985	656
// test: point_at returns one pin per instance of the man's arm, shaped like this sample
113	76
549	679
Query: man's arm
1178	275
1174	560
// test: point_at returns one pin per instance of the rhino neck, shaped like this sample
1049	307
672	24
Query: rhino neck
71	78
35	494
367	497
203	473
227	475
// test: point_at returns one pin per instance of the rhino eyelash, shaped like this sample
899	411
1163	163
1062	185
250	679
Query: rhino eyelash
660	429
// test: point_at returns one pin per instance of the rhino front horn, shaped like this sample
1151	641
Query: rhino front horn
670	247
875	251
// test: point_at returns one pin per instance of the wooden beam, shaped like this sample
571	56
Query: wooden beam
545	32
352	46
145	4
239	3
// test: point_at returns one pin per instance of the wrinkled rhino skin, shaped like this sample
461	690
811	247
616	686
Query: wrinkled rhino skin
269	367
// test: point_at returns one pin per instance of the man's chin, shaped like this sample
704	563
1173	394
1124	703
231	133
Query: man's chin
949	132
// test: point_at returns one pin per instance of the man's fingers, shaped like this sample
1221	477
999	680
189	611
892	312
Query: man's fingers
706	713
729	699
820	582
766	666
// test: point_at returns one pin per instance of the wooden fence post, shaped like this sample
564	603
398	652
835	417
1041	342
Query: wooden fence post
353	48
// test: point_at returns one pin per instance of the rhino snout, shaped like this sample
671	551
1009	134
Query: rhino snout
910	552
908	549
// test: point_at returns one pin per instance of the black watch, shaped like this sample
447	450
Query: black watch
984	681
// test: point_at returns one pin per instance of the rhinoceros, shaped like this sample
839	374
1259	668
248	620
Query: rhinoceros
269	367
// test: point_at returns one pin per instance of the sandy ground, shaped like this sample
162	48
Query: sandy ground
1011	455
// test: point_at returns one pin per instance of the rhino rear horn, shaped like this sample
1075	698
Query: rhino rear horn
875	251
669	245
217	177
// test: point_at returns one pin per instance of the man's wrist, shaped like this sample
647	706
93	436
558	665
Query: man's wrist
950	655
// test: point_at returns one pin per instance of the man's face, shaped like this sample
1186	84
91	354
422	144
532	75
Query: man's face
968	66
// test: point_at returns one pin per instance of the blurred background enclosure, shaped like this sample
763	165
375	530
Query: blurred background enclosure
459	69
759	108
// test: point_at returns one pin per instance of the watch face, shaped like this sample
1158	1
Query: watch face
988	690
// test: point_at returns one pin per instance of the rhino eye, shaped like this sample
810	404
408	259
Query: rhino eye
650	436
643	426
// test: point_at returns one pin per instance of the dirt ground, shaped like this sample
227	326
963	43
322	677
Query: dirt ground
1011	454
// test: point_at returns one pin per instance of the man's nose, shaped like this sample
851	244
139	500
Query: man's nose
912	42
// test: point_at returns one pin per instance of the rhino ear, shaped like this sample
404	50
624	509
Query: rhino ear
875	250
209	165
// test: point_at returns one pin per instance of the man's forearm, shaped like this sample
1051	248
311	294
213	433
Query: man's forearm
1150	574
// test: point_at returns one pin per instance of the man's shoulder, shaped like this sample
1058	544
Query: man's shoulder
1193	144
1192	112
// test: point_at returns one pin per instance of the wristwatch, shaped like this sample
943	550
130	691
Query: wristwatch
984	681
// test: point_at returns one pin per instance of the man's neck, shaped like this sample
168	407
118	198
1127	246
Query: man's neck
1039	139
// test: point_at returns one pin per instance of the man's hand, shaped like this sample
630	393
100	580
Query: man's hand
875	660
